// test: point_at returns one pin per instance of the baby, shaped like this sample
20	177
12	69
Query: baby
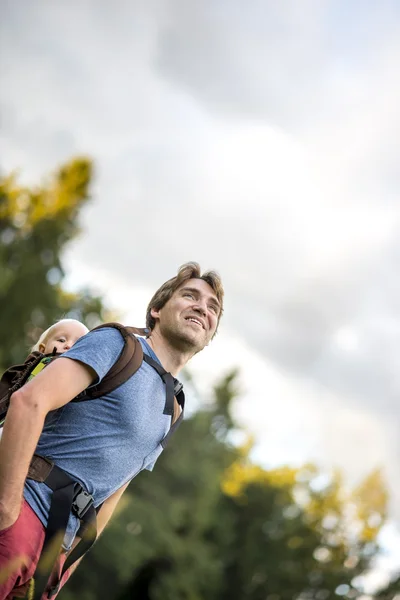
57	339
60	336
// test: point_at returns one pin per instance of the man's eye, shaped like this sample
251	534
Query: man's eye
213	308
188	295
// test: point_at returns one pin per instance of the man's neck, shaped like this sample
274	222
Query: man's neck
172	359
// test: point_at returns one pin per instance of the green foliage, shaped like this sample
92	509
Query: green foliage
35	226
296	534
208	523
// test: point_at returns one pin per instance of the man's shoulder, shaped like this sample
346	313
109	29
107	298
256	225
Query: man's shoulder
99	349
97	337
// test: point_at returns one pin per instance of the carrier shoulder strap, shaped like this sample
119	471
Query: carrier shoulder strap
173	389
128	362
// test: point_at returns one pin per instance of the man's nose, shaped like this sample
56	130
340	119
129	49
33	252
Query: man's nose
201	308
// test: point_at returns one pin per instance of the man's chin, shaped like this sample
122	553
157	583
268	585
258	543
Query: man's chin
190	343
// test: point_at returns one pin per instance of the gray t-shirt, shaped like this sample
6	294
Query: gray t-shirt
103	443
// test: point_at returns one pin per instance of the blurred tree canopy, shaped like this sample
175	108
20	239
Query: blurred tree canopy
208	523
35	226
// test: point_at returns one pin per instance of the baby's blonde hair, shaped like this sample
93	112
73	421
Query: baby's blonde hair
43	338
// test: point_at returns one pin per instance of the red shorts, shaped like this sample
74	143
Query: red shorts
20	548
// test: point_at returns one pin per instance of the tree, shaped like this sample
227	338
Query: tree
297	533
35	226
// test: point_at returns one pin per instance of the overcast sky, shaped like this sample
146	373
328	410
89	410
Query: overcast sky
261	138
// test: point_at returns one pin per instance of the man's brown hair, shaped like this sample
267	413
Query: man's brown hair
190	270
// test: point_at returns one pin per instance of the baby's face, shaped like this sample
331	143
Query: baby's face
62	337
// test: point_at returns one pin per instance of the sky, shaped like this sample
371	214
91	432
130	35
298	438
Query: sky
261	139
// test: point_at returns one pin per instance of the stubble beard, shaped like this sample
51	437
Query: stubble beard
181	340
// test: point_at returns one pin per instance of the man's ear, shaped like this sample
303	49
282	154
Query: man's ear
155	313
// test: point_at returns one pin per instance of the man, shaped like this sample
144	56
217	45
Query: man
102	444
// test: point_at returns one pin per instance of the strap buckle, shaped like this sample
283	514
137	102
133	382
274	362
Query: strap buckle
178	387
81	503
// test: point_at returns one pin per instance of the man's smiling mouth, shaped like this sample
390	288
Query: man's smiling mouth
194	320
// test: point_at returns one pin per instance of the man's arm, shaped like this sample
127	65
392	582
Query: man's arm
108	507
55	386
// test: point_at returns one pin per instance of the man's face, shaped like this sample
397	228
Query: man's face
190	317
